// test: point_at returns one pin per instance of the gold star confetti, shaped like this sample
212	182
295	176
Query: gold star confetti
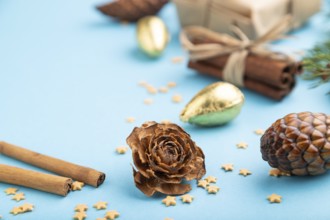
163	89
165	121
121	150
11	191
212	189
274	198
211	179
112	214
143	83
148	101
244	172
27	207
81	208
177	59
16	211
18	197
80	216
171	84
101	219
202	183
187	198
259	132
176	98
242	145
169	201
100	205
76	185
275	172
151	90
278	173
168	219
130	119
228	167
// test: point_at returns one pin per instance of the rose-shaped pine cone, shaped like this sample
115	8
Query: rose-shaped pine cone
164	155
298	144
132	10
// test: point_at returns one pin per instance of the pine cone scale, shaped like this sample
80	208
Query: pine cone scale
298	144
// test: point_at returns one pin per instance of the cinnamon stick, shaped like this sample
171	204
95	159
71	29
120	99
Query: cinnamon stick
84	174
277	73
260	87
36	180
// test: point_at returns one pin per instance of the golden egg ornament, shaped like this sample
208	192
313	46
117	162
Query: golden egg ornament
152	35
214	105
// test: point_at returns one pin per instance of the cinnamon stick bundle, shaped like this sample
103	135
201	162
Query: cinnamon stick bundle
36	180
274	78
84	174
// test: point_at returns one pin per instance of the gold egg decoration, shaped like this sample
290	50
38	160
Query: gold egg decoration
152	35
214	105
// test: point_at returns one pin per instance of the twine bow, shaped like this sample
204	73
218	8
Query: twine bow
237	49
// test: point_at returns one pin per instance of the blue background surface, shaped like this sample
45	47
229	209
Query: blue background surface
69	80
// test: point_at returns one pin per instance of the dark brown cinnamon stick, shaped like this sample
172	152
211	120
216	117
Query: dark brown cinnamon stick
36	180
276	73
84	174
260	87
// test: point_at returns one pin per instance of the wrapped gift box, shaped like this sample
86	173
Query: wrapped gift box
254	17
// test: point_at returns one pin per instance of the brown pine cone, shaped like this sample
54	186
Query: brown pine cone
298	144
132	10
164	156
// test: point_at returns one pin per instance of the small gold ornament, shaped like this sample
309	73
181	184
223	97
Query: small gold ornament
152	35
214	105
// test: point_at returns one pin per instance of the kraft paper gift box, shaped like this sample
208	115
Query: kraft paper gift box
253	17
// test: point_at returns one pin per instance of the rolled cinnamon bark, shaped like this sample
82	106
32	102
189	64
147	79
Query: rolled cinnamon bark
84	174
41	181
276	73
260	87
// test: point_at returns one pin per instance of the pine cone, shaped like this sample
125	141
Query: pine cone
132	10
298	144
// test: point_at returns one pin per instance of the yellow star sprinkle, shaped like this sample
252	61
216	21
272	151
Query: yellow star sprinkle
80	216
177	59
274	198
18	197
101	219
212	189
202	183
176	98
112	214
148	101
27	207
16	210
169	201
242	145
152	90
244	172
259	132
130	119
165	121
211	179
171	84
100	205
81	208
11	191
121	150
187	198
163	89
228	167
76	185
275	172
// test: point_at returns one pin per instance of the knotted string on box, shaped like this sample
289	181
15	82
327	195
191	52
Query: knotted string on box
237	49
